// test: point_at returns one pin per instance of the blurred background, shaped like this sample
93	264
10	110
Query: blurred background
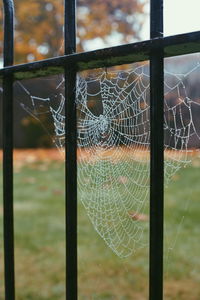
39	165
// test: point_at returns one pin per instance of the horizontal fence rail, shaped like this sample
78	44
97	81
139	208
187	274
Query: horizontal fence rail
172	46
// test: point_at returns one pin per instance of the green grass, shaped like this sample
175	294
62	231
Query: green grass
39	241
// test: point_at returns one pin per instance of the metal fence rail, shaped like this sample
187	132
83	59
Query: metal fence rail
70	155
154	50
7	123
156	155
172	46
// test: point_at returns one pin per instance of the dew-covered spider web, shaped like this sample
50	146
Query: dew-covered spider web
113	143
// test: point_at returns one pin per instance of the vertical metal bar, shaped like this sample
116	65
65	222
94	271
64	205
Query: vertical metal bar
70	150
71	188
8	153
70	27
156	156
8	50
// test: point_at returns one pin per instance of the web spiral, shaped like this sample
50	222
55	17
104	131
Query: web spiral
113	141
113	145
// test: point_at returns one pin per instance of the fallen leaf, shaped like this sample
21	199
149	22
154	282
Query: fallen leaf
138	217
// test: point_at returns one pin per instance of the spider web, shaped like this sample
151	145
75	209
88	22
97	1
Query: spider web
113	145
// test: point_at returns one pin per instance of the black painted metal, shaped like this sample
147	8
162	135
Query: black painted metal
172	45
8	221
156	19
8	32
156	156
71	187
70	155
7	121
70	27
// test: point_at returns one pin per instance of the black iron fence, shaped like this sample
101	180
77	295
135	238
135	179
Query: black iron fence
154	50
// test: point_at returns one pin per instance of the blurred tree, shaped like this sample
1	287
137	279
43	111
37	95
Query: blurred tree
38	29
39	25
112	21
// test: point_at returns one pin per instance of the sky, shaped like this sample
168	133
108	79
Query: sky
180	16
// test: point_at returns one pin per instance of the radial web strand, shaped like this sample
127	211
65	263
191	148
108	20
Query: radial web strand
113	144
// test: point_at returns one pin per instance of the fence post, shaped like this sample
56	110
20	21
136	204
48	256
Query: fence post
8	152
157	155
70	153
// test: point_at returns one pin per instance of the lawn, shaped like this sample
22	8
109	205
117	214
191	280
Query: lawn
40	252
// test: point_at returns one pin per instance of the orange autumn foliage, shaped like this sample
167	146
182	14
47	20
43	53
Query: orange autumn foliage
39	25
